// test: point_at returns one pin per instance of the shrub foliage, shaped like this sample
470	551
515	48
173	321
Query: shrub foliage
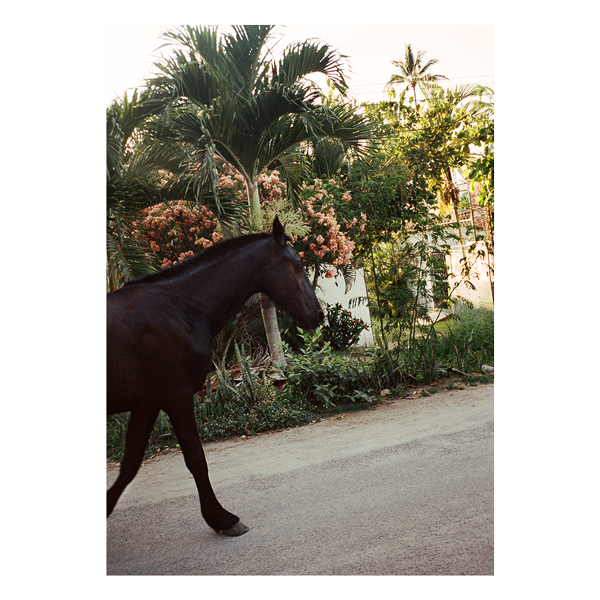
341	329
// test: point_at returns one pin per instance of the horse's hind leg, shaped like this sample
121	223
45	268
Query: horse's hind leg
138	432
184	424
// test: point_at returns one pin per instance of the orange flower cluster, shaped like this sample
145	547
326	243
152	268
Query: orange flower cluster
335	248
270	187
176	230
328	245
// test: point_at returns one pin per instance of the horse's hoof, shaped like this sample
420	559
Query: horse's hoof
238	529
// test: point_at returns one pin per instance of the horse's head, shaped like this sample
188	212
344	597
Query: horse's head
286	283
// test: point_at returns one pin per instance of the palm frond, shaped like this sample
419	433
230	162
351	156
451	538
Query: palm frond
244	58
127	260
349	273
342	122
295	168
302	59
328	156
200	41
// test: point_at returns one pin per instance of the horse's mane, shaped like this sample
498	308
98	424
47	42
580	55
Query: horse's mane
209	253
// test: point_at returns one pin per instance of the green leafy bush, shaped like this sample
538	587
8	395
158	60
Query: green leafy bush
161	437
341	330
232	420
116	429
245	405
244	402
320	377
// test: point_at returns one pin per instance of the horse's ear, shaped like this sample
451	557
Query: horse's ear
278	232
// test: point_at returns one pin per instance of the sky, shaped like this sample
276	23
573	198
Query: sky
465	53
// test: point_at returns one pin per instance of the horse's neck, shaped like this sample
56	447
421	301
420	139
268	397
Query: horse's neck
221	286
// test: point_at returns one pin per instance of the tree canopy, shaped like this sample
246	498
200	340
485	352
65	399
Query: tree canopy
230	127
225	95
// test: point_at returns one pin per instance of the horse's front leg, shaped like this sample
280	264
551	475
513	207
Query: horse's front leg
184	424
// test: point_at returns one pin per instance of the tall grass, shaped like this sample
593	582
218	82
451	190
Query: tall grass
469	341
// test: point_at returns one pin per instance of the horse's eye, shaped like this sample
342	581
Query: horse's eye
299	267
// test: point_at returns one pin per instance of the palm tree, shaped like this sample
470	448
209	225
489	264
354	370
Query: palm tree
225	95
130	187
413	72
133	183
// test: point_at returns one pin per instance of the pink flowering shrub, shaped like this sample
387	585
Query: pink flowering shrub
329	244
270	187
176	230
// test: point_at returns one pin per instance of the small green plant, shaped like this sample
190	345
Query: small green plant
325	394
161	437
341	330
322	378
474	380
424	355
387	366
461	349
116	429
360	396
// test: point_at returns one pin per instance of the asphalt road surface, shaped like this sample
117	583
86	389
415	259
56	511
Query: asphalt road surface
405	489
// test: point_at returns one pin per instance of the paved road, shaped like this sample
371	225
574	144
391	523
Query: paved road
406	489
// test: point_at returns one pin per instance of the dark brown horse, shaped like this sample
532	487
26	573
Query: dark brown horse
160	334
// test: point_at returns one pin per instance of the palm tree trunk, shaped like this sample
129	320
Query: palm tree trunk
254	207
267	308
269	316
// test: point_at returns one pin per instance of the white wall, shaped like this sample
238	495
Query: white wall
479	277
332	290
